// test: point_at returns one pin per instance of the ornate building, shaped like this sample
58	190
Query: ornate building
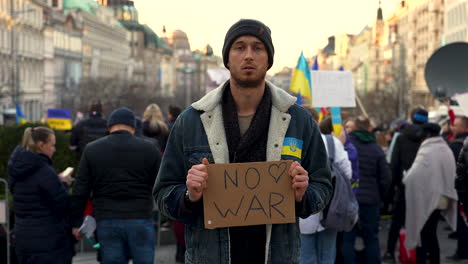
21	57
63	58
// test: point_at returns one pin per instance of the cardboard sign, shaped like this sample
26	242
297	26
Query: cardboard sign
333	89
242	194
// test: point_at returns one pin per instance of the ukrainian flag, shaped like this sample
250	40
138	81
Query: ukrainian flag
300	83
59	119
20	117
292	147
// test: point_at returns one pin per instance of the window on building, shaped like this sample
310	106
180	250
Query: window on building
55	3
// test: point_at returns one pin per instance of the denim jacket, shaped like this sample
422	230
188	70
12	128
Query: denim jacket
199	132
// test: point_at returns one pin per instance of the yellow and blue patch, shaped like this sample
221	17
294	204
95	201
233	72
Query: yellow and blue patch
292	147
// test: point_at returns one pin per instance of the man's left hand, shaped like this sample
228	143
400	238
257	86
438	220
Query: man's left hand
300	180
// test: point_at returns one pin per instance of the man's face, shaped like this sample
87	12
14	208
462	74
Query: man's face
458	127
248	61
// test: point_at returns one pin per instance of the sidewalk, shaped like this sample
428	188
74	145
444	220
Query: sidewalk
165	254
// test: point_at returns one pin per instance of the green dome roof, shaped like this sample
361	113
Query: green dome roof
85	5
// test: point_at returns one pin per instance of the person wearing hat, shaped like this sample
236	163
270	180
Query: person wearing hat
118	172
89	129
404	152
430	193
246	119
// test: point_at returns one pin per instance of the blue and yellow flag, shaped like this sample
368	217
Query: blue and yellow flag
59	119
20	117
292	147
300	82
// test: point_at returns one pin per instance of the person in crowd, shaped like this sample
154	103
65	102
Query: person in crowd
174	112
246	119
41	201
119	170
89	129
154	125
461	182
350	126
430	192
460	132
353	158
374	180
318	244
404	152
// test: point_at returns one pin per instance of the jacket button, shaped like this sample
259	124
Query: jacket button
209	116
217	143
284	118
276	145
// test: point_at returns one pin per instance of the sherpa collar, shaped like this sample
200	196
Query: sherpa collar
280	99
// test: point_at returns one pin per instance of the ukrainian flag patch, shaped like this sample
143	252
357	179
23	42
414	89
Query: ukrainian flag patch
292	147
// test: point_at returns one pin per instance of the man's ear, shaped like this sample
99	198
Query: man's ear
40	145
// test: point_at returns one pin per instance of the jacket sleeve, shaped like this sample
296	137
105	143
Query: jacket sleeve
315	161
155	167
81	190
170	184
384	179
55	191
395	163
341	158
75	134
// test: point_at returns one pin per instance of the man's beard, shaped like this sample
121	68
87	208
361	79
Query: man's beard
249	83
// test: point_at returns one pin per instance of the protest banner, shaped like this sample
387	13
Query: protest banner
241	194
333	89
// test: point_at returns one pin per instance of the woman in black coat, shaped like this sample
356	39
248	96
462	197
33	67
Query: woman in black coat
40	201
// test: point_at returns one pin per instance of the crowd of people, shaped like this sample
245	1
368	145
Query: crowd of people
133	169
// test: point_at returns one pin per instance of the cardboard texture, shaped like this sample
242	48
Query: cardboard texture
242	194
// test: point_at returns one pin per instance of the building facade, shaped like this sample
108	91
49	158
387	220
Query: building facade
420	26
62	58
21	54
456	17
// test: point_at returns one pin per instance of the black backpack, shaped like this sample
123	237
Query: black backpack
342	212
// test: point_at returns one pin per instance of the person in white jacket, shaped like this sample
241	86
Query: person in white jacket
318	245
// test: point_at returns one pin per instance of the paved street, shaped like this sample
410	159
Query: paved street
165	254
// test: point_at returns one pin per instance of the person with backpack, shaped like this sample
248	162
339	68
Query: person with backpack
374	180
318	243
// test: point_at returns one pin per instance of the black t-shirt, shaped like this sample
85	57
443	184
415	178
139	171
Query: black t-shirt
248	244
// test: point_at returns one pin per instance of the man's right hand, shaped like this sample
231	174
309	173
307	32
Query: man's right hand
196	180
77	234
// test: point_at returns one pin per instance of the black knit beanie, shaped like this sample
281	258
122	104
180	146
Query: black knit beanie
249	27
122	116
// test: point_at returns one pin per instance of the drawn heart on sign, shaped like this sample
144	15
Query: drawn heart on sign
277	170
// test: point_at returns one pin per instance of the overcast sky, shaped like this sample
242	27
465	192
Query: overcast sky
296	25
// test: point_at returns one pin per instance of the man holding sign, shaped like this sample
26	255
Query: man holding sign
245	120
